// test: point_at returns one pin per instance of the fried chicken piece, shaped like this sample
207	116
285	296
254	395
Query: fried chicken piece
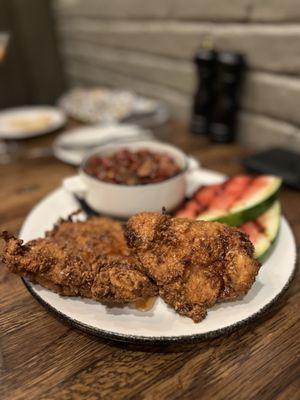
194	263
88	259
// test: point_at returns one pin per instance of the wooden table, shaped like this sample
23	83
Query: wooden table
41	358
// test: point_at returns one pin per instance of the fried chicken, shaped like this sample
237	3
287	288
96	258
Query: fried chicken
191	264
194	263
88	259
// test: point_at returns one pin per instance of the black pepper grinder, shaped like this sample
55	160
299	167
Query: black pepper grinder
229	74
205	61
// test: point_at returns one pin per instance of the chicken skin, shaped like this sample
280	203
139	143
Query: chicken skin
88	259
194	263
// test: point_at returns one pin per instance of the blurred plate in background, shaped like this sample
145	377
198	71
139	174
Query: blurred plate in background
71	146
26	122
102	105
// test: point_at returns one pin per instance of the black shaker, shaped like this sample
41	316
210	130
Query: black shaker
205	61
229	74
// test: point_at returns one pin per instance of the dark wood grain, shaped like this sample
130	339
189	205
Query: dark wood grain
42	358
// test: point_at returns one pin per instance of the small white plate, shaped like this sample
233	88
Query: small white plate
92	105
27	122
161	324
72	145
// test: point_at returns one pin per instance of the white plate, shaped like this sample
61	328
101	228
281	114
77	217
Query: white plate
103	105
17	123
95	135
161	324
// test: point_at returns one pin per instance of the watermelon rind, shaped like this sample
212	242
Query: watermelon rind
267	252
247	210
268	191
271	221
261	247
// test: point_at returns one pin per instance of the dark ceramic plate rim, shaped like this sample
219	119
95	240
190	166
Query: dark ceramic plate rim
125	338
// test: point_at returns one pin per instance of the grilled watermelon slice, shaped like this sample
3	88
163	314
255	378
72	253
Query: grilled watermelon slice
264	230
235	201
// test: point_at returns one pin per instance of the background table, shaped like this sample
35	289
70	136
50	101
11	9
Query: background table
42	358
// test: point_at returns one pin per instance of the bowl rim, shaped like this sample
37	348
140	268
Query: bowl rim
120	144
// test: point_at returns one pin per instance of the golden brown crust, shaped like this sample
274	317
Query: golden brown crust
194	263
89	259
191	264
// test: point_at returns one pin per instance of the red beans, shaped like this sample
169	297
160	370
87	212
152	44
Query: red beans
132	168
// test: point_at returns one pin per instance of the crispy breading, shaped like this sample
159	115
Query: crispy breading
88	259
194	263
191	264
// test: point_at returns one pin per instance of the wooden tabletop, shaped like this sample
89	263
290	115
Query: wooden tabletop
42	358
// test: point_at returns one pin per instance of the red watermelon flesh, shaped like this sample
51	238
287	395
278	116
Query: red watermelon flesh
258	237
233	189
186	213
219	196
190	210
256	184
263	231
237	184
253	230
221	199
205	195
222	202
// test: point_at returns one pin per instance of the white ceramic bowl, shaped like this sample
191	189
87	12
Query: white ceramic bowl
121	200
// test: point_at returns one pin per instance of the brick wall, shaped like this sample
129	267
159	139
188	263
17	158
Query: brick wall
148	46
